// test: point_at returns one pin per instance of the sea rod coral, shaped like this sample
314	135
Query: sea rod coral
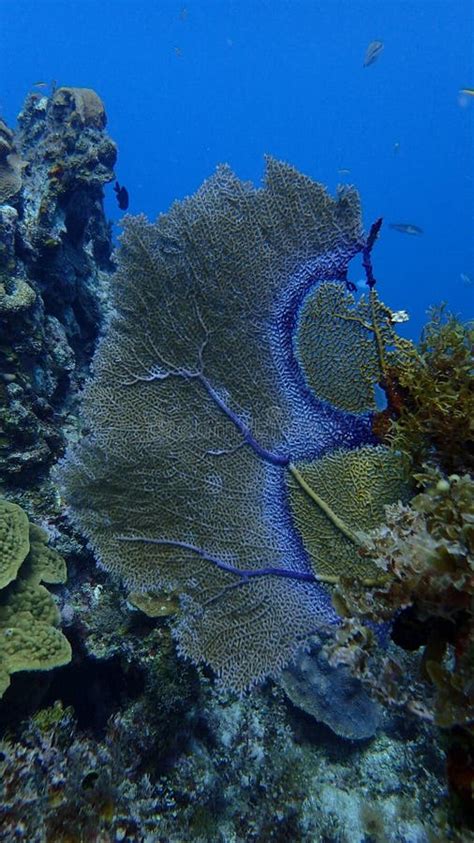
216	466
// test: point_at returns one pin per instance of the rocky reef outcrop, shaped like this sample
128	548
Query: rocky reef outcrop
55	262
126	741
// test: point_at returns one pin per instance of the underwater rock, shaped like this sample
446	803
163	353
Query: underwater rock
244	777
55	262
11	165
79	107
332	695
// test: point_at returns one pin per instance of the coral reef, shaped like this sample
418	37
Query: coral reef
250	771
29	639
11	165
55	250
435	422
203	424
222	364
426	553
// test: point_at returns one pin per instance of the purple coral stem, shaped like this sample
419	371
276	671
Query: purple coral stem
243	573
366	252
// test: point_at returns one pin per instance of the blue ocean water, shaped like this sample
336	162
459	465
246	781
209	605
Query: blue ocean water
189	85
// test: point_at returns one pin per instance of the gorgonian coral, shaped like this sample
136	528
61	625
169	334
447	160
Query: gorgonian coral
436	422
426	554
211	431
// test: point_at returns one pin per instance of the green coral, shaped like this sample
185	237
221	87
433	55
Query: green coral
352	489
29	637
437	416
155	604
14	540
342	346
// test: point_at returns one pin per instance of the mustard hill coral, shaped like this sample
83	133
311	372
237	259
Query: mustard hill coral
29	638
14	540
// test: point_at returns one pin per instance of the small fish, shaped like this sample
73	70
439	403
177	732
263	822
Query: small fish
399	316
466	279
406	228
40	85
372	53
178	52
122	196
396	147
468	91
343	171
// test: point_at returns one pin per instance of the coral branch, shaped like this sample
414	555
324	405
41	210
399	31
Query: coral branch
366	252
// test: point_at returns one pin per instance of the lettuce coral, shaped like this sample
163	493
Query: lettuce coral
29	638
209	420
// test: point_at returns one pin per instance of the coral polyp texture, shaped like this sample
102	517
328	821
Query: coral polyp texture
356	485
343	346
29	638
204	418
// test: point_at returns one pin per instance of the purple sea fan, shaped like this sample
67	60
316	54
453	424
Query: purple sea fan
204	423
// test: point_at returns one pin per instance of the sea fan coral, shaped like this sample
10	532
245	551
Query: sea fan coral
205	421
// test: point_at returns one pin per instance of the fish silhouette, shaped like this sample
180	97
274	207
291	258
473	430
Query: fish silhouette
406	228
122	196
372	53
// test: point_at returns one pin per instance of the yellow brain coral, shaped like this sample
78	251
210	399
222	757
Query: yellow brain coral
29	638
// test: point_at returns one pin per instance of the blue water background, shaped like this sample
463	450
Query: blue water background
189	85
